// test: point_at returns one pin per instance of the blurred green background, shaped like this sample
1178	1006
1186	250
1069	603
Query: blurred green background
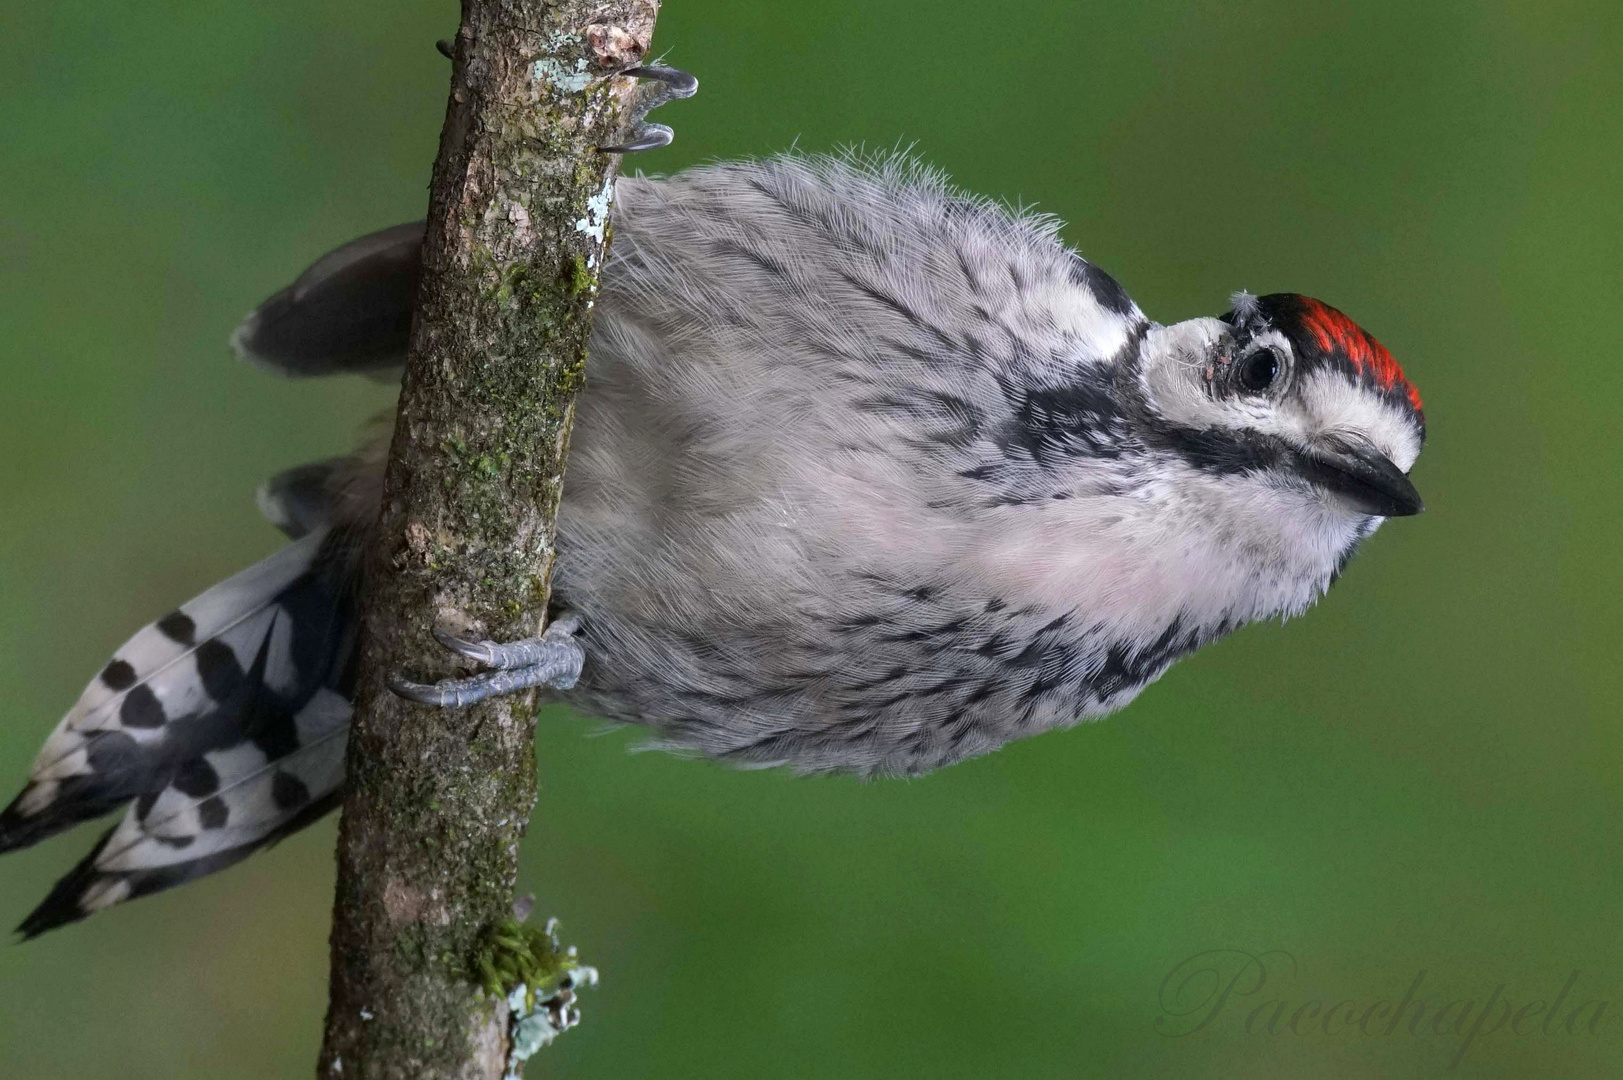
1421	775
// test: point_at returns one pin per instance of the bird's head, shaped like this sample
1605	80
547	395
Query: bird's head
1290	397
1284	434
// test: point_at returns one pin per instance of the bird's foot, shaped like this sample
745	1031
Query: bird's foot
554	659
656	85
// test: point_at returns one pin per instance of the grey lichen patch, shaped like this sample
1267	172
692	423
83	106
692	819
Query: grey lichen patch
565	69
570	79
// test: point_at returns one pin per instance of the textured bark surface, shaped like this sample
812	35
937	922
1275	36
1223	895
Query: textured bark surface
437	800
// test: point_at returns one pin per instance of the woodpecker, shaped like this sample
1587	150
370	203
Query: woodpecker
868	475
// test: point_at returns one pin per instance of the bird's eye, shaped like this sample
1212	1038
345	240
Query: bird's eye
1259	370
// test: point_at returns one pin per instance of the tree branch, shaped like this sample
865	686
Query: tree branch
436	801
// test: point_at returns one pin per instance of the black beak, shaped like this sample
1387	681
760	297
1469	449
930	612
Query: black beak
1363	476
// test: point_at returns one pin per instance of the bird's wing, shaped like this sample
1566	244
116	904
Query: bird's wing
349	312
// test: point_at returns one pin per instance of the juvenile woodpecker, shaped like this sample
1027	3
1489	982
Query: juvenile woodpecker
868	475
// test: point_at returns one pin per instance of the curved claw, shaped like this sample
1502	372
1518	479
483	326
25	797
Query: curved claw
451	693
480	652
678	83
554	659
512	654
447	693
661	84
648	137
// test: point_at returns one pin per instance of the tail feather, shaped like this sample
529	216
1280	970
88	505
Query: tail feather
137	690
237	730
86	890
226	798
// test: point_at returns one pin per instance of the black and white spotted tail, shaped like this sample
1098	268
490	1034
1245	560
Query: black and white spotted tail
222	726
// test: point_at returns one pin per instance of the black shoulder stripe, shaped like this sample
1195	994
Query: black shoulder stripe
1105	289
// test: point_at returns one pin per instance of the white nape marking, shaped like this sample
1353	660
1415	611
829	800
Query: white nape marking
1077	313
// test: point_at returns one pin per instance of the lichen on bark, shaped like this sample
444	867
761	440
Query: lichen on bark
437	801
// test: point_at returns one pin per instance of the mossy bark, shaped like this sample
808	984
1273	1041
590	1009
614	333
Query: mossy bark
437	801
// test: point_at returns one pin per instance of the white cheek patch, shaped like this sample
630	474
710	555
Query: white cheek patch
1334	405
